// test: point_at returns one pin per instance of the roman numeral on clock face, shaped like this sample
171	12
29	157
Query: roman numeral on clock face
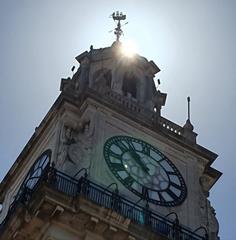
128	181
115	155
175	185
125	146
131	146
146	150
171	194
117	166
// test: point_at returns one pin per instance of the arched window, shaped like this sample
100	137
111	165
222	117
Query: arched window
129	85
102	77
108	76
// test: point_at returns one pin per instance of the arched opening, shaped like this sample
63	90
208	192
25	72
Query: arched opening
102	77
129	86
108	77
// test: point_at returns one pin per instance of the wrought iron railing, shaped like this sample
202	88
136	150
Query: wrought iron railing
108	199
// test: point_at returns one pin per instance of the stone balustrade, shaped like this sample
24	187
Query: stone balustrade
170	126
149	117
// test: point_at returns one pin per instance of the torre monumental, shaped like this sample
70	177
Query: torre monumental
105	164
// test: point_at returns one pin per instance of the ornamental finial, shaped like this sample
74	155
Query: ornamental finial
188	99
118	16
188	125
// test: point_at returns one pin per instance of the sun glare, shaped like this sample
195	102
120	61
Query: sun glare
129	48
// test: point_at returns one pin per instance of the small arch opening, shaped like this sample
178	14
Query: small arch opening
129	86
108	77
102	77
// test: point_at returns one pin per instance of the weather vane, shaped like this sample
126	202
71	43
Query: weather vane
118	16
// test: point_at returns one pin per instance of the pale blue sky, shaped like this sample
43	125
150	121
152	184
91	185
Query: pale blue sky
193	42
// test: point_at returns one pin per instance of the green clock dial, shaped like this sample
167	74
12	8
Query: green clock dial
143	168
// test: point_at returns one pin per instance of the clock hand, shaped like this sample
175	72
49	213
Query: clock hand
138	160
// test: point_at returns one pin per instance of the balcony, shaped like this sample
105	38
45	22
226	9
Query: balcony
111	200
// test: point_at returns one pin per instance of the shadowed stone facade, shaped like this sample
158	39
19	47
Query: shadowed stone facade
109	95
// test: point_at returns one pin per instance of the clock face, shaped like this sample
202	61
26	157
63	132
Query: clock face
35	172
144	170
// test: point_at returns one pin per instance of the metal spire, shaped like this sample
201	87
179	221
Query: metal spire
188	99
118	16
188	125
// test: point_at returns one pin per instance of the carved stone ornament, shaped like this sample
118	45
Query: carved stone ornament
66	139
204	182
76	146
83	79
213	222
207	211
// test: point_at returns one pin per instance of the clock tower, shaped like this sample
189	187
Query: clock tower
105	164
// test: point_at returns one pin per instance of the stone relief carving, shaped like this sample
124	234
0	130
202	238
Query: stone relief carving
4	208
66	139
76	146
8	200
79	152
83	80
213	222
204	183
203	194
102	78
208	216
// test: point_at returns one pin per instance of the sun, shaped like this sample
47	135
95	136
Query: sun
129	48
